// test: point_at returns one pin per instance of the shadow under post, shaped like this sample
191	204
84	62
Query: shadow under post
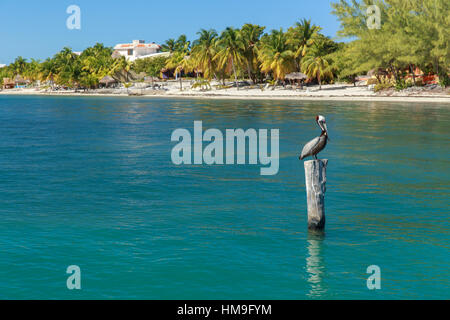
315	264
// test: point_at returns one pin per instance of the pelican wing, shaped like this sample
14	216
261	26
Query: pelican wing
309	148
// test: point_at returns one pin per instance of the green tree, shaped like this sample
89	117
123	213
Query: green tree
32	70
48	70
204	50
251	35
19	65
169	45
411	33
301	37
182	44
230	54
315	63
151	66
68	67
96	62
124	65
275	55
181	63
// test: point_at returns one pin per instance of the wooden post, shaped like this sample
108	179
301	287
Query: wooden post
315	178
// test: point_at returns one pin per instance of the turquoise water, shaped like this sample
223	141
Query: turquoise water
90	182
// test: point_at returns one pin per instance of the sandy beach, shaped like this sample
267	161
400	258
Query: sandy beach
334	92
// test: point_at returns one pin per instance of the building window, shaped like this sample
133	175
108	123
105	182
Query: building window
130	52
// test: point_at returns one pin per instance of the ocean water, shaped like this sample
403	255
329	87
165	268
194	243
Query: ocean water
89	182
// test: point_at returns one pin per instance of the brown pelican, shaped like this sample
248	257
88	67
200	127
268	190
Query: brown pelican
317	144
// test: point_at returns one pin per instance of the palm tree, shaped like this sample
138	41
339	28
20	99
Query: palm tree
251	34
95	63
301	36
182	44
169	45
67	66
315	63
180	62
275	55
32	70
203	51
230	54
48	70
19	65
123	64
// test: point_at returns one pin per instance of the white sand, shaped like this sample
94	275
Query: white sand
336	92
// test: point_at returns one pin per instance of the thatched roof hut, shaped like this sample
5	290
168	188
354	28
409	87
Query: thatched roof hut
107	80
20	80
8	83
296	76
124	76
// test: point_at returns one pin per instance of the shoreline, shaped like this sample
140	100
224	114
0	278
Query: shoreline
245	95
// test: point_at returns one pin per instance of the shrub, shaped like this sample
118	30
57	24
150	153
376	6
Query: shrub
203	84
444	80
372	81
403	83
409	82
384	83
382	86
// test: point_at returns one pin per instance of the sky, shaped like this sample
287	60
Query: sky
37	29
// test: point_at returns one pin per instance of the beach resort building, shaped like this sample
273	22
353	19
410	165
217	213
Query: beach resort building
138	49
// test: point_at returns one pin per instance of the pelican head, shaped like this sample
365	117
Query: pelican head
322	123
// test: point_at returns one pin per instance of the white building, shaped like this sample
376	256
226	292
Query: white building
2	65
138	49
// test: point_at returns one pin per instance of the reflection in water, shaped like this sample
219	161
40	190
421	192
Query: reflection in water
314	264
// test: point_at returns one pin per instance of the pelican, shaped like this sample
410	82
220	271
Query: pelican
317	144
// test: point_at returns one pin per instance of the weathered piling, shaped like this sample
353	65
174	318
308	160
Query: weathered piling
315	178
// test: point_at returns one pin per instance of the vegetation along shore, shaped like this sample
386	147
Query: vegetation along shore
407	55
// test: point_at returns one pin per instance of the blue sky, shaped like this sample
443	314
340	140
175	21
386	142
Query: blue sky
38	28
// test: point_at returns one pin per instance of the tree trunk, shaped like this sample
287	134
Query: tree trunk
275	84
297	64
181	83
413	74
250	73
235	75
394	70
